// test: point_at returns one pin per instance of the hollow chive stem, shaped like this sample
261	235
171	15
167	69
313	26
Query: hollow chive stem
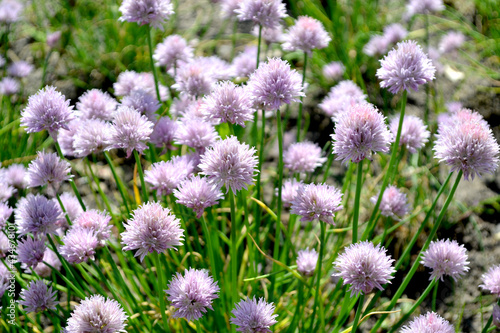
413	269
119	184
153	68
358	313
299	119
356	202
160	292
234	249
392	163
63	209
141	176
318	270
71	182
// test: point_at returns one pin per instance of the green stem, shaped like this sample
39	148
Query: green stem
434	296
358	313
258	46
299	119
63	209
45	64
141	176
318	270
160	292
234	250
211	252
296	315
153	68
71	182
392	162
119	184
415	306
427	86
413	269
356	203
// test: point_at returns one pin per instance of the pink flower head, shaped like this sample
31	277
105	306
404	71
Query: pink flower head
365	267
48	169
192	293
252	316
307	261
446	257
340	98
80	245
152	12
333	71
289	191
405	67
93	136
491	280
360	132
319	202
275	83
171	51
197	193
414	133
152	228
451	42
96	221
394	203
96	104
267	13
195	133
307	34
231	163
193	79
47	110
430	322
303	157
165	176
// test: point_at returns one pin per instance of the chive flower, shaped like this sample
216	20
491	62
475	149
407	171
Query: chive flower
252	316
317	202
38	297
446	257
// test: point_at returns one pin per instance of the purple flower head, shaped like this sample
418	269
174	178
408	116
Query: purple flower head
424	7
341	97
317	202
270	35
15	175
163	132
231	163
6	191
164	177
496	315
307	261
38	297
431	322
5	213
333	71
244	64
377	45
96	104
4	246
48	169
414	133
192	293
451	42
467	144
454	106
50	258
303	157
152	12
267	13
80	245
20	69
215	67
228	103
5	276
289	191
254	317
152	228
307	34
229	7
10	11
9	86
359	132
405	67
96	221
394	33
193	79
66	137
142	101
130	130
47	110
274	83
491	280
97	314
195	133
30	251
193	112
394	203
197	193
365	267
129	81
171	51
446	257
71	204
37	215
92	136
53	38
